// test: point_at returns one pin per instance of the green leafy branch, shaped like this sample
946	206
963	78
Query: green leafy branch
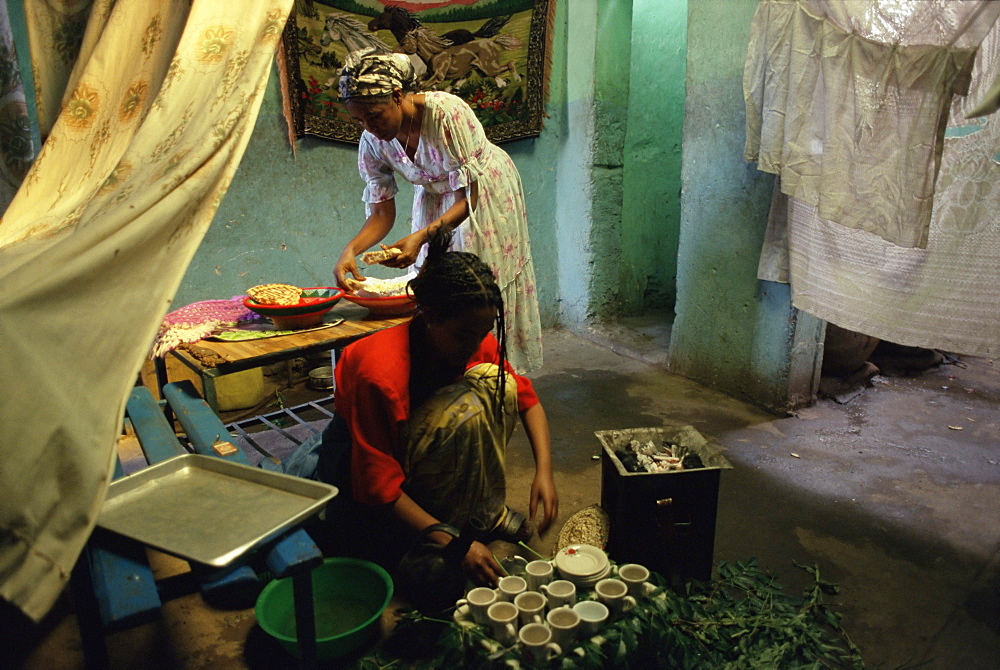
740	619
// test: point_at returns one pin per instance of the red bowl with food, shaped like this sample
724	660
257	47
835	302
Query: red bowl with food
313	305
384	305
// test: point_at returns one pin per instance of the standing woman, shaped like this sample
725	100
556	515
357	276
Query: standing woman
462	183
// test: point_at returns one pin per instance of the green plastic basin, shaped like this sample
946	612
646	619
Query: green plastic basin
349	596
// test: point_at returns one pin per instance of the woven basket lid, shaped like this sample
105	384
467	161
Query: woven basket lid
590	525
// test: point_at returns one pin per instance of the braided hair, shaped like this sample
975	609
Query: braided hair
452	282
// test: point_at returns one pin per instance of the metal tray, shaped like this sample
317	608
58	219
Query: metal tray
207	509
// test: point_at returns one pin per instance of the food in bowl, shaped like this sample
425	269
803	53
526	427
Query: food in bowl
308	311
275	294
383	297
373	287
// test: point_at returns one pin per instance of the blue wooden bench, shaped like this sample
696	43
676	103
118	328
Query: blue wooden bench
113	585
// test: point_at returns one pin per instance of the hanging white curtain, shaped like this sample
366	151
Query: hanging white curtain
847	101
158	111
944	296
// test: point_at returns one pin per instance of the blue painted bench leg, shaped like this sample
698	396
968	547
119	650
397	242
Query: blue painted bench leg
113	587
305	620
88	618
155	433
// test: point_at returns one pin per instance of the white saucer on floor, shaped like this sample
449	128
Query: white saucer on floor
581	561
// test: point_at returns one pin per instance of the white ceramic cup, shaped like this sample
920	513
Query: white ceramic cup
514	565
479	600
635	577
502	620
614	594
536	643
593	617
537	573
508	587
559	592
530	607
564	623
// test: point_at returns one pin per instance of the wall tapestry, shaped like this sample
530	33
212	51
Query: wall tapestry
492	53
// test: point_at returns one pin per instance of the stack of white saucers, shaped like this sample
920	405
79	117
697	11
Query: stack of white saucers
582	564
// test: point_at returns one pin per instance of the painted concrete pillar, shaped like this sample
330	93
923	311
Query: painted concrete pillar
611	97
651	194
731	331
574	187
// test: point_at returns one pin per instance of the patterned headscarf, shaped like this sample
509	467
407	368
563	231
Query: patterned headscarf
368	72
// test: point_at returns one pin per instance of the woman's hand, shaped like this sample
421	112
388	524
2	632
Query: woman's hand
543	490
376	227
410	246
346	263
478	562
480	566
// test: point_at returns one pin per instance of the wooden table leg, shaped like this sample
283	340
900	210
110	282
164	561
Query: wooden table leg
160	365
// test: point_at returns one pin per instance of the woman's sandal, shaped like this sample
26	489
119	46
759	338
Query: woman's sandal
512	527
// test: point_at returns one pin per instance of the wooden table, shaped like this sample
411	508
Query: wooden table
217	358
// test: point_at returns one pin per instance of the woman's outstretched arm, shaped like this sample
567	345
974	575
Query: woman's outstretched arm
543	486
374	230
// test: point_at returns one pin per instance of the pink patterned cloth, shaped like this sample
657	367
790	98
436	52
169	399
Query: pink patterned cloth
200	319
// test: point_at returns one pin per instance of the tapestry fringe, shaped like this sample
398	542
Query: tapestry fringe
286	102
550	23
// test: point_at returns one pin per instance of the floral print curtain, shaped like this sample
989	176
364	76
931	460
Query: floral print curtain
154	118
55	33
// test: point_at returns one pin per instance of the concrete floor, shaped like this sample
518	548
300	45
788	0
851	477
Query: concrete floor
884	494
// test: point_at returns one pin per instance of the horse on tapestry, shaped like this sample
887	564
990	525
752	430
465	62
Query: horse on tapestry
452	57
352	34
400	21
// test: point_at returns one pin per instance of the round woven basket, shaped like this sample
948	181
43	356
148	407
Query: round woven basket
589	525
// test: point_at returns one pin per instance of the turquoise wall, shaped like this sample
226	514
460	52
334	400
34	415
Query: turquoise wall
651	205
731	331
574	261
286	219
638	112
611	97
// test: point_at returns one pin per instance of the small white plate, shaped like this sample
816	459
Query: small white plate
587	582
581	560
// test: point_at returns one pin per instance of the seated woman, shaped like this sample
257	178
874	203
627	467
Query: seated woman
425	410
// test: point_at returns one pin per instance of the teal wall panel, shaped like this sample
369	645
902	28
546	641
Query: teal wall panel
651	206
731	331
611	96
575	189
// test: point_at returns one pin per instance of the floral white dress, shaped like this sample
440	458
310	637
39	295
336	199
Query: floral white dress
454	153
